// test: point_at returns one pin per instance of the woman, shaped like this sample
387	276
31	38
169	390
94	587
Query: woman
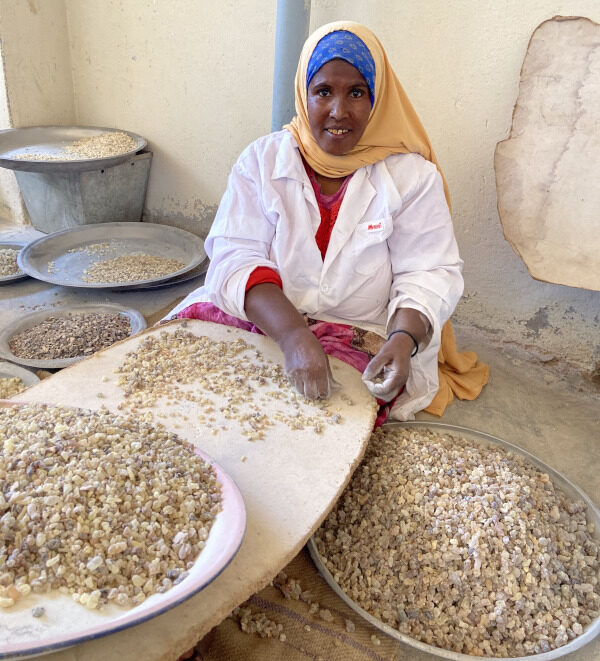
342	218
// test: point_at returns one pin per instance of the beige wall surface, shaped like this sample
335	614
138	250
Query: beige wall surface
10	201
194	77
37	78
37	62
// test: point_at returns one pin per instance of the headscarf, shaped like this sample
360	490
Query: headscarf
343	45
393	125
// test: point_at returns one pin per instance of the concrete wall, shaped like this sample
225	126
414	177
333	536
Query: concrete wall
195	78
37	88
10	202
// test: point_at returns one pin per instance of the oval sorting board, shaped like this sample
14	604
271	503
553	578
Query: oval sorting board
289	479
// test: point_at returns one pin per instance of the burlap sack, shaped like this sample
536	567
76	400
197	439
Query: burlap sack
306	636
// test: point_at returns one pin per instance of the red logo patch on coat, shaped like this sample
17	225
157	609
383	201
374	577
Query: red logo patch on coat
374	227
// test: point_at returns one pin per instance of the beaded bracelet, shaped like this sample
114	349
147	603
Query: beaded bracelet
412	337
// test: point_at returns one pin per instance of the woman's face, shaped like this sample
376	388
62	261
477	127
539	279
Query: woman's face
338	106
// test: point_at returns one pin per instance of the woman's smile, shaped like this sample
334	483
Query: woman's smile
339	106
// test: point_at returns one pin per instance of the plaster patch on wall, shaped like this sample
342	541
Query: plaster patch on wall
547	170
192	215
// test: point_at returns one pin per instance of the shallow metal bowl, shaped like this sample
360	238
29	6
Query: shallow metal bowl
558	479
25	640
51	141
9	370
136	320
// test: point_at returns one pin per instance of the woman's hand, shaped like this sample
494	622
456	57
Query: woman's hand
387	372
306	364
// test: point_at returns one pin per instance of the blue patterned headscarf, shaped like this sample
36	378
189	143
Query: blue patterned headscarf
343	45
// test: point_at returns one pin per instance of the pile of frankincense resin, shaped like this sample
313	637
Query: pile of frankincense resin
462	546
10	385
232	383
101	507
8	262
102	145
70	336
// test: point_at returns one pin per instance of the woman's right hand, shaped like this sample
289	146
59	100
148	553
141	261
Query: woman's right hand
306	364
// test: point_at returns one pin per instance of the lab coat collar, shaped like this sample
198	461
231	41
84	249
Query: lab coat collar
288	162
289	165
357	198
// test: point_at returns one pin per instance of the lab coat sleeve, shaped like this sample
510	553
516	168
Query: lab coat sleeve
239	239
426	266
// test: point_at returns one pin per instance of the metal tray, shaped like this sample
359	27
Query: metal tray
15	245
223	543
559	480
137	321
60	258
52	140
8	370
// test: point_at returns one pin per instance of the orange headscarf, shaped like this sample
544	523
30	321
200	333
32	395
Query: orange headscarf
393	125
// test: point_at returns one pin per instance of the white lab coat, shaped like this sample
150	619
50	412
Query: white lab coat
392	246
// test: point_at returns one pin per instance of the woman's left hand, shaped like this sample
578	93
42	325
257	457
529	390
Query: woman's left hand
387	372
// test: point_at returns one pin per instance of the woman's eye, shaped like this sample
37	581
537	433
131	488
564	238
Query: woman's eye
356	93
323	92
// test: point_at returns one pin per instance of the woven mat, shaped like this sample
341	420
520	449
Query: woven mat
306	636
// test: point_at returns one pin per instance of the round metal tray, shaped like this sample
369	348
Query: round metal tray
559	480
52	140
60	258
8	370
137	321
15	245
